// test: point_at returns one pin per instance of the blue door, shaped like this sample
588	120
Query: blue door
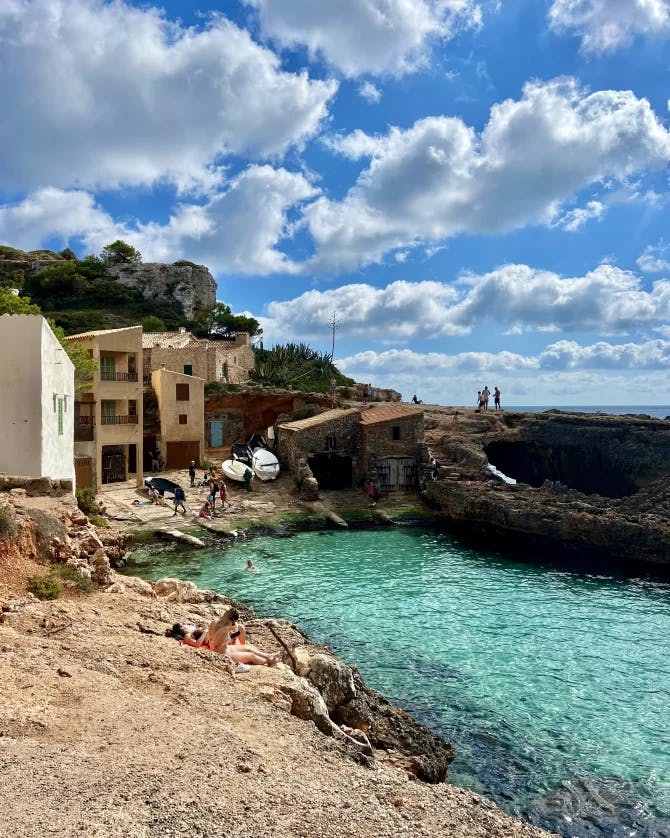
216	434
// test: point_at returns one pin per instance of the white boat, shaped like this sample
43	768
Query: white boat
265	464
234	470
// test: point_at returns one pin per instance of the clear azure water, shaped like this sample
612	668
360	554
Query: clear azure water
554	686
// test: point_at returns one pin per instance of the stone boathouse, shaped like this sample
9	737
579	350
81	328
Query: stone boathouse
340	448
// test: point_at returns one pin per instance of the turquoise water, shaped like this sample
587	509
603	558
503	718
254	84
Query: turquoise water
554	686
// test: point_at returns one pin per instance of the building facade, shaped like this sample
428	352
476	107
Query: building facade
228	361
181	405
38	404
108	429
392	445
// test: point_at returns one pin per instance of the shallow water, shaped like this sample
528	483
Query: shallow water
554	686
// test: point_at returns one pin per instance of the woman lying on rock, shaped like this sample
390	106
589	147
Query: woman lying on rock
225	637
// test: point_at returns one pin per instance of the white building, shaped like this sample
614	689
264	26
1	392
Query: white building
37	404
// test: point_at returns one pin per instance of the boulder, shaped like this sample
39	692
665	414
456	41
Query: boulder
333	679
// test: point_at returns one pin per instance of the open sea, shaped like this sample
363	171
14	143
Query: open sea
553	685
655	411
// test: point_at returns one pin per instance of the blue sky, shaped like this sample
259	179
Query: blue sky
477	188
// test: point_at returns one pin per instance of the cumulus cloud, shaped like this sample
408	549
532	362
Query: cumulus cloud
607	300
655	259
237	230
99	94
366	36
369	92
577	217
605	25
440	178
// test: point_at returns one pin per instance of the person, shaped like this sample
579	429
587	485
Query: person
250	566
372	493
223	494
485	397
248	474
153	495
205	510
213	492
191	473
435	468
154	462
479	399
223	636
179	498
415	400
496	398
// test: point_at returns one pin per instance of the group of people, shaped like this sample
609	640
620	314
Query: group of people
216	488
226	636
483	397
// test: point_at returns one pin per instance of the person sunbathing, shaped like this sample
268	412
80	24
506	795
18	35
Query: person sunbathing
225	637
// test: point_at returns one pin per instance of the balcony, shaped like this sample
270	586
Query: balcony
118	420
106	375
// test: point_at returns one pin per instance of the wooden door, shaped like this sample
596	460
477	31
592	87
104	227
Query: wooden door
180	454
83	472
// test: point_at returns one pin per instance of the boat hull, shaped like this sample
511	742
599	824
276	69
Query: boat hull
264	464
234	470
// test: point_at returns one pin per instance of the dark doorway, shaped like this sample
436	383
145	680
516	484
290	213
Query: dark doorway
332	471
132	459
113	464
149	447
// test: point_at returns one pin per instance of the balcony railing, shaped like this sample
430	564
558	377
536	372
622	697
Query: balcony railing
84	433
118	420
105	375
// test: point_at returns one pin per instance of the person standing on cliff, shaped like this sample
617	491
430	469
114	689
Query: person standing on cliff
496	398
486	393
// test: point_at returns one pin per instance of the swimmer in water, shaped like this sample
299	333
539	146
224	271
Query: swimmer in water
251	566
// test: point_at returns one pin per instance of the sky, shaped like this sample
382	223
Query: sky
476	190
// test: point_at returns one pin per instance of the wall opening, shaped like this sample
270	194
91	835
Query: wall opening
332	471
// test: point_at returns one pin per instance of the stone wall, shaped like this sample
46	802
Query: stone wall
191	285
175	359
238	357
378	443
296	444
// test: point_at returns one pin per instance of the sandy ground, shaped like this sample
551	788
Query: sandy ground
108	731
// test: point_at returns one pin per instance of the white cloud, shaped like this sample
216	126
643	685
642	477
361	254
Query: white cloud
439	178
605	25
564	373
577	217
101	94
606	300
237	230
369	92
655	259
366	36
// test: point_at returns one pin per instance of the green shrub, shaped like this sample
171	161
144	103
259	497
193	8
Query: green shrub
9	525
44	587
70	574
86	501
206	464
98	520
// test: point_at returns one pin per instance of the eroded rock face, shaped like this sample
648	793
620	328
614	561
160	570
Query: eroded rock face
191	285
586	483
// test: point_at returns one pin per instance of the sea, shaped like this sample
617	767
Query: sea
552	682
654	411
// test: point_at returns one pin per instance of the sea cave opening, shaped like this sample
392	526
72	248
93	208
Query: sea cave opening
583	469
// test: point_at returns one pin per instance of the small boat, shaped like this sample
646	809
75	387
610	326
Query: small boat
240	451
234	469
161	485
265	464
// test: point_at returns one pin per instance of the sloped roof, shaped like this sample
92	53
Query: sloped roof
387	413
168	340
98	332
320	418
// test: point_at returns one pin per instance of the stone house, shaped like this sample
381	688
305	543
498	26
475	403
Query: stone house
38	405
108	433
340	448
181	405
228	360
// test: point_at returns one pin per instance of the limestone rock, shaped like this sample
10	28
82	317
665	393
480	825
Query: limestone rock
333	679
130	583
102	573
301	661
191	285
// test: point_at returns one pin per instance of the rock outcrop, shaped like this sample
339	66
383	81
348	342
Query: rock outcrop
193	286
585	483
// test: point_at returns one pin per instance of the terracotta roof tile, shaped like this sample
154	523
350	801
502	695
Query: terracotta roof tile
169	340
387	413
96	333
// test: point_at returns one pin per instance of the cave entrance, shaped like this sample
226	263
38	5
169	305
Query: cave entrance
332	471
584	469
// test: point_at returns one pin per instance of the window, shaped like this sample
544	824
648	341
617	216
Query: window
188	369
60	417
182	392
132	407
183	419
224	370
395	431
108	412
107	368
331	443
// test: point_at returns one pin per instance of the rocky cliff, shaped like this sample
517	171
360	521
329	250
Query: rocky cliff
193	286
585	483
